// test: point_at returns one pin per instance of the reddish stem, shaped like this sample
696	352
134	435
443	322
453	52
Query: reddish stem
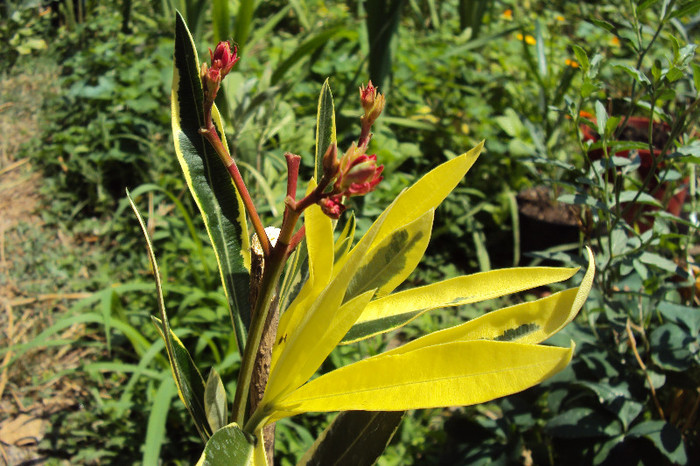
213	137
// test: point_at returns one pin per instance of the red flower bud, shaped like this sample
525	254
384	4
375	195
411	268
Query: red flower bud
359	173
372	103
223	58
367	96
332	206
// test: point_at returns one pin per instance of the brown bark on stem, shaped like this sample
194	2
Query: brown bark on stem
261	368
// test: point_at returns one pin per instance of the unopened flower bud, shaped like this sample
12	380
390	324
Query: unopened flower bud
367	96
372	103
223	58
332	206
359	173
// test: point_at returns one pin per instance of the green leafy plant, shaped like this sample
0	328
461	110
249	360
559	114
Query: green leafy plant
288	318
620	144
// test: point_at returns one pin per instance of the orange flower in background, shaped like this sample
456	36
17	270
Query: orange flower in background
571	63
508	14
615	41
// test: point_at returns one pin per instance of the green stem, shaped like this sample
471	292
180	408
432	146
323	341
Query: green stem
274	264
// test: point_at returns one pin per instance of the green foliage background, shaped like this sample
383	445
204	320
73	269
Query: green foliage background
459	73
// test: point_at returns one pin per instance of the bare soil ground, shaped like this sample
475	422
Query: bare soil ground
31	384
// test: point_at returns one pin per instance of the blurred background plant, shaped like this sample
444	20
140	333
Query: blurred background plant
551	85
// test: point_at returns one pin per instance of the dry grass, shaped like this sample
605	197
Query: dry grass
30	390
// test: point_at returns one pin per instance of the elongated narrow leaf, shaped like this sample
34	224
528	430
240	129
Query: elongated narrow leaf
215	401
319	244
220	20
354	437
398	309
244	21
155	432
314	340
388	264
188	380
259	453
452	374
344	242
209	181
229	446
325	126
426	194
303	348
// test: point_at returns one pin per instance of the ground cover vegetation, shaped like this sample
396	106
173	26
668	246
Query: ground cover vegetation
594	104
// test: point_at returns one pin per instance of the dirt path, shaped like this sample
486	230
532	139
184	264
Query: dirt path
30	298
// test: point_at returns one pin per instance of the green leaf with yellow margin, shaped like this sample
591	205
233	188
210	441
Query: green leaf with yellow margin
325	126
344	242
209	181
396	310
189	382
354	437
215	401
229	446
452	374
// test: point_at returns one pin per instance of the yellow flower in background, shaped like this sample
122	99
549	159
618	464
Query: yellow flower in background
528	39
561	18
508	14
615	41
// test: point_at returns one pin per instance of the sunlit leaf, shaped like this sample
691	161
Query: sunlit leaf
325	126
451	374
215	401
388	264
229	446
400	308
209	181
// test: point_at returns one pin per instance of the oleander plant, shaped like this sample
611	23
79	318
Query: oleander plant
296	292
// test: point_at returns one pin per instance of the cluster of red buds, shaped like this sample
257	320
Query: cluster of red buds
222	60
355	174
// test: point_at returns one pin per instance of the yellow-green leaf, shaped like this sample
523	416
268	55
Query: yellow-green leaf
398	309
209	181
301	349
344	242
452	374
426	194
319	244
316	338
259	453
388	264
